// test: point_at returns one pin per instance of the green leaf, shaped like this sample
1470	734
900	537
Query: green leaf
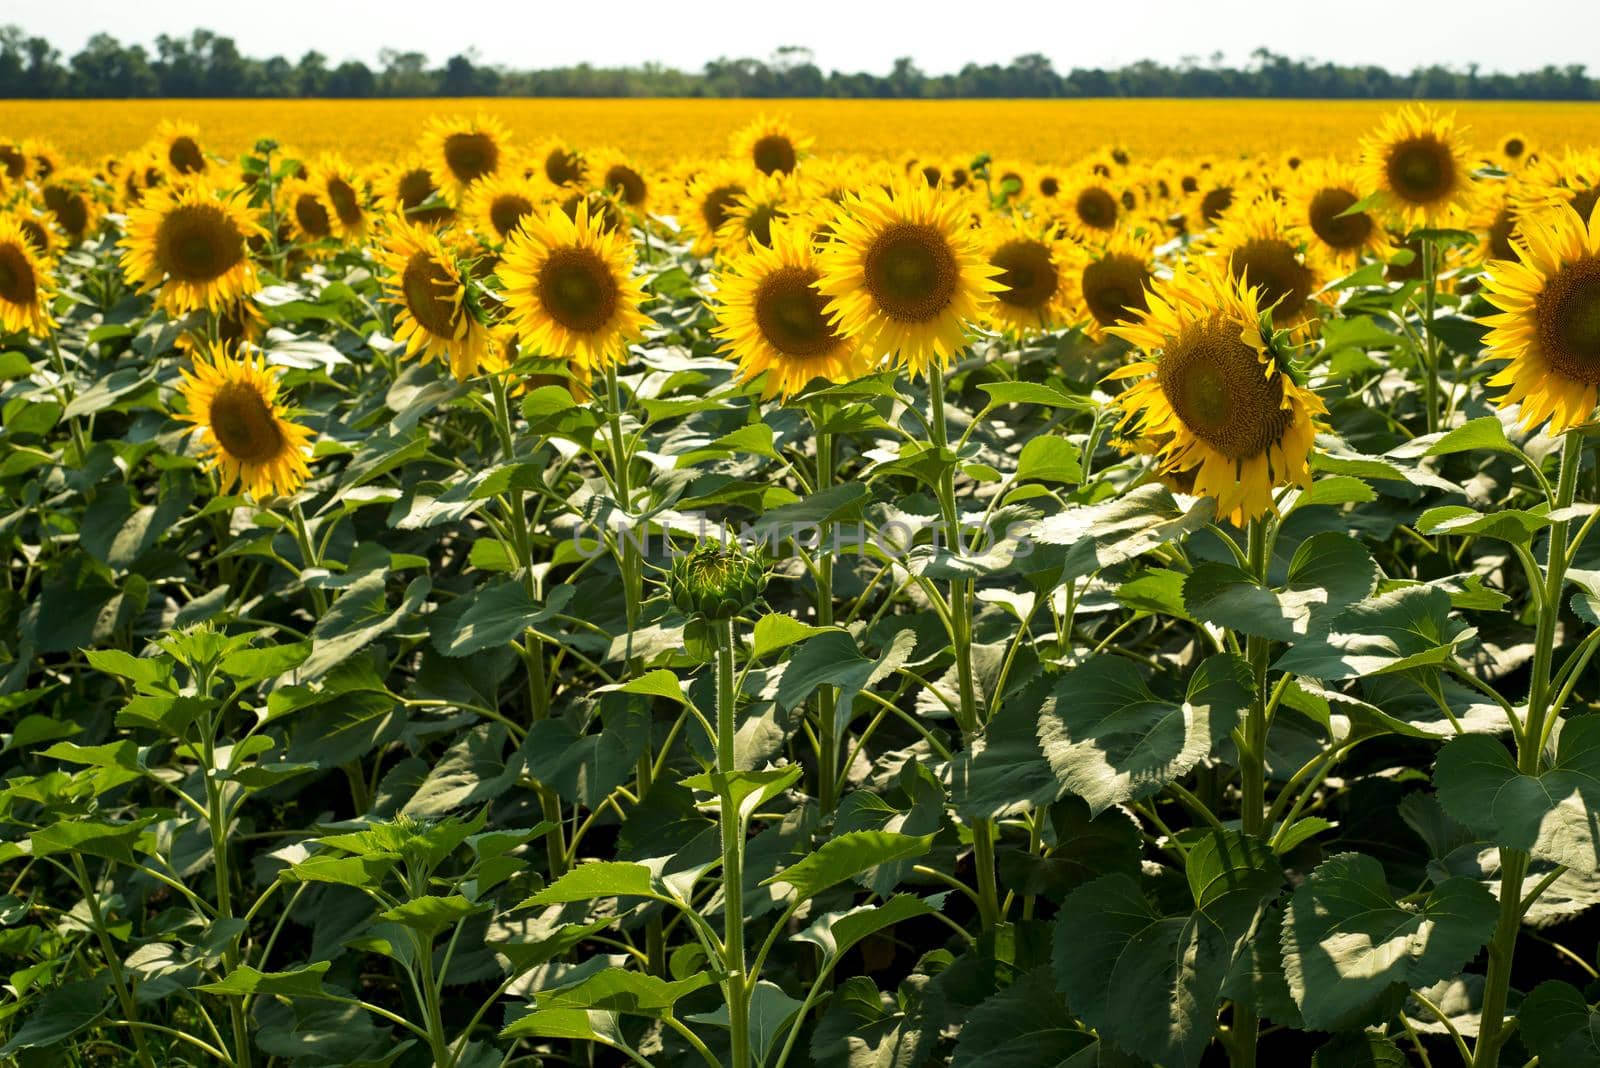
776	631
836	933
748	790
600	878
495	615
847	856
1347	941
1550	815
60	1014
1081	541
1110	740
1558	1025
1406	628
1485	433
1329	572
657	683
620	990
1050	459
1359	1049
1509	524
357	619
1033	393
297	982
112	841
431	914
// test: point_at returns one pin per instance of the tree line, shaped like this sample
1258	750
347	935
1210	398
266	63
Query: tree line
206	64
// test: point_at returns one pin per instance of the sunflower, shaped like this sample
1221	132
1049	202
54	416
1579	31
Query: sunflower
497	205
1109	283
461	152
190	241
1323	221
13	162
770	145
710	194
177	146
559	163
1548	327
344	194
43	159
1212	389
905	274
1573	178
69	198
1515	148
1209	200
616	175
309	214
1032	261
428	281
752	213
1256	241
570	290
1416	166
408	190
42	235
773	318
1089	206
233	400
604	209
26	287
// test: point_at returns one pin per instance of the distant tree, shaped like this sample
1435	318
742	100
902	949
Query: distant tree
311	74
352	79
105	69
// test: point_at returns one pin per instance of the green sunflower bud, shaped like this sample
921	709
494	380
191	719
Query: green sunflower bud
715	581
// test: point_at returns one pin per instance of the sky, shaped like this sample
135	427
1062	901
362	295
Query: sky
851	35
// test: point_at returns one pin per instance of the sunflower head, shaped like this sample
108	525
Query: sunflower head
615	175
710	196
1322	218
1032	261
309	214
773	318
1258	243
1515	148
409	191
190	241
26	285
429	281
558	163
345	195
770	145
1109	283
69	197
1213	389
906	274
496	206
1417	167
716	581
1548	326
751	214
232	399
462	151
570	291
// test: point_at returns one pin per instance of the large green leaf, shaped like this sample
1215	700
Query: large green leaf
1406	628
1347	942
494	615
847	856
1329	572
60	1014
1550	815
1109	739
1558	1025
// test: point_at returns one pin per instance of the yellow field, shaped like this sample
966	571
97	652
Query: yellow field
659	130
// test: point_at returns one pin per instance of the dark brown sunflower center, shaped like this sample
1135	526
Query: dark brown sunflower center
1029	273
1583	201
789	311
1214	203
1568	311
1273	265
1421	170
577	290
1097	208
507	212
244	425
472	155
601	209
17	282
1048	186
35	234
931	175
774	153
1189	183
1114	287
911	272
1515	147
15	163
1215	384
959	178
69	208
185	156
416	187
312	216
714	207
1501	231
628	182
758	224
346	204
430	295
1337	230
563	167
198	243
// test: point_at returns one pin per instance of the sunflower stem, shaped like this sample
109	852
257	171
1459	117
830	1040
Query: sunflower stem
1492	1030
1430	340
827	729
113	962
308	554
734	986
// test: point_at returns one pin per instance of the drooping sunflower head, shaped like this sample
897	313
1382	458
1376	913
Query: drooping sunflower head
1214	391
69	197
1417	167
190	241
177	146
710	196
773	318
770	145
558	163
615	175
496	206
1548	326
1109	283
461	151
428	281
570	291
906	274
26	285
1322	218
409	191
1258	243
1033	261
245	433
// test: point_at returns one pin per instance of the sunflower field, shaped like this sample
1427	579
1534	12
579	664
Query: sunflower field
510	602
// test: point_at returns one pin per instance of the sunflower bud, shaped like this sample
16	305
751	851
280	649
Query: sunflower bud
715	581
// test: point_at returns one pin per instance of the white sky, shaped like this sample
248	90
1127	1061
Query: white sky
851	35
